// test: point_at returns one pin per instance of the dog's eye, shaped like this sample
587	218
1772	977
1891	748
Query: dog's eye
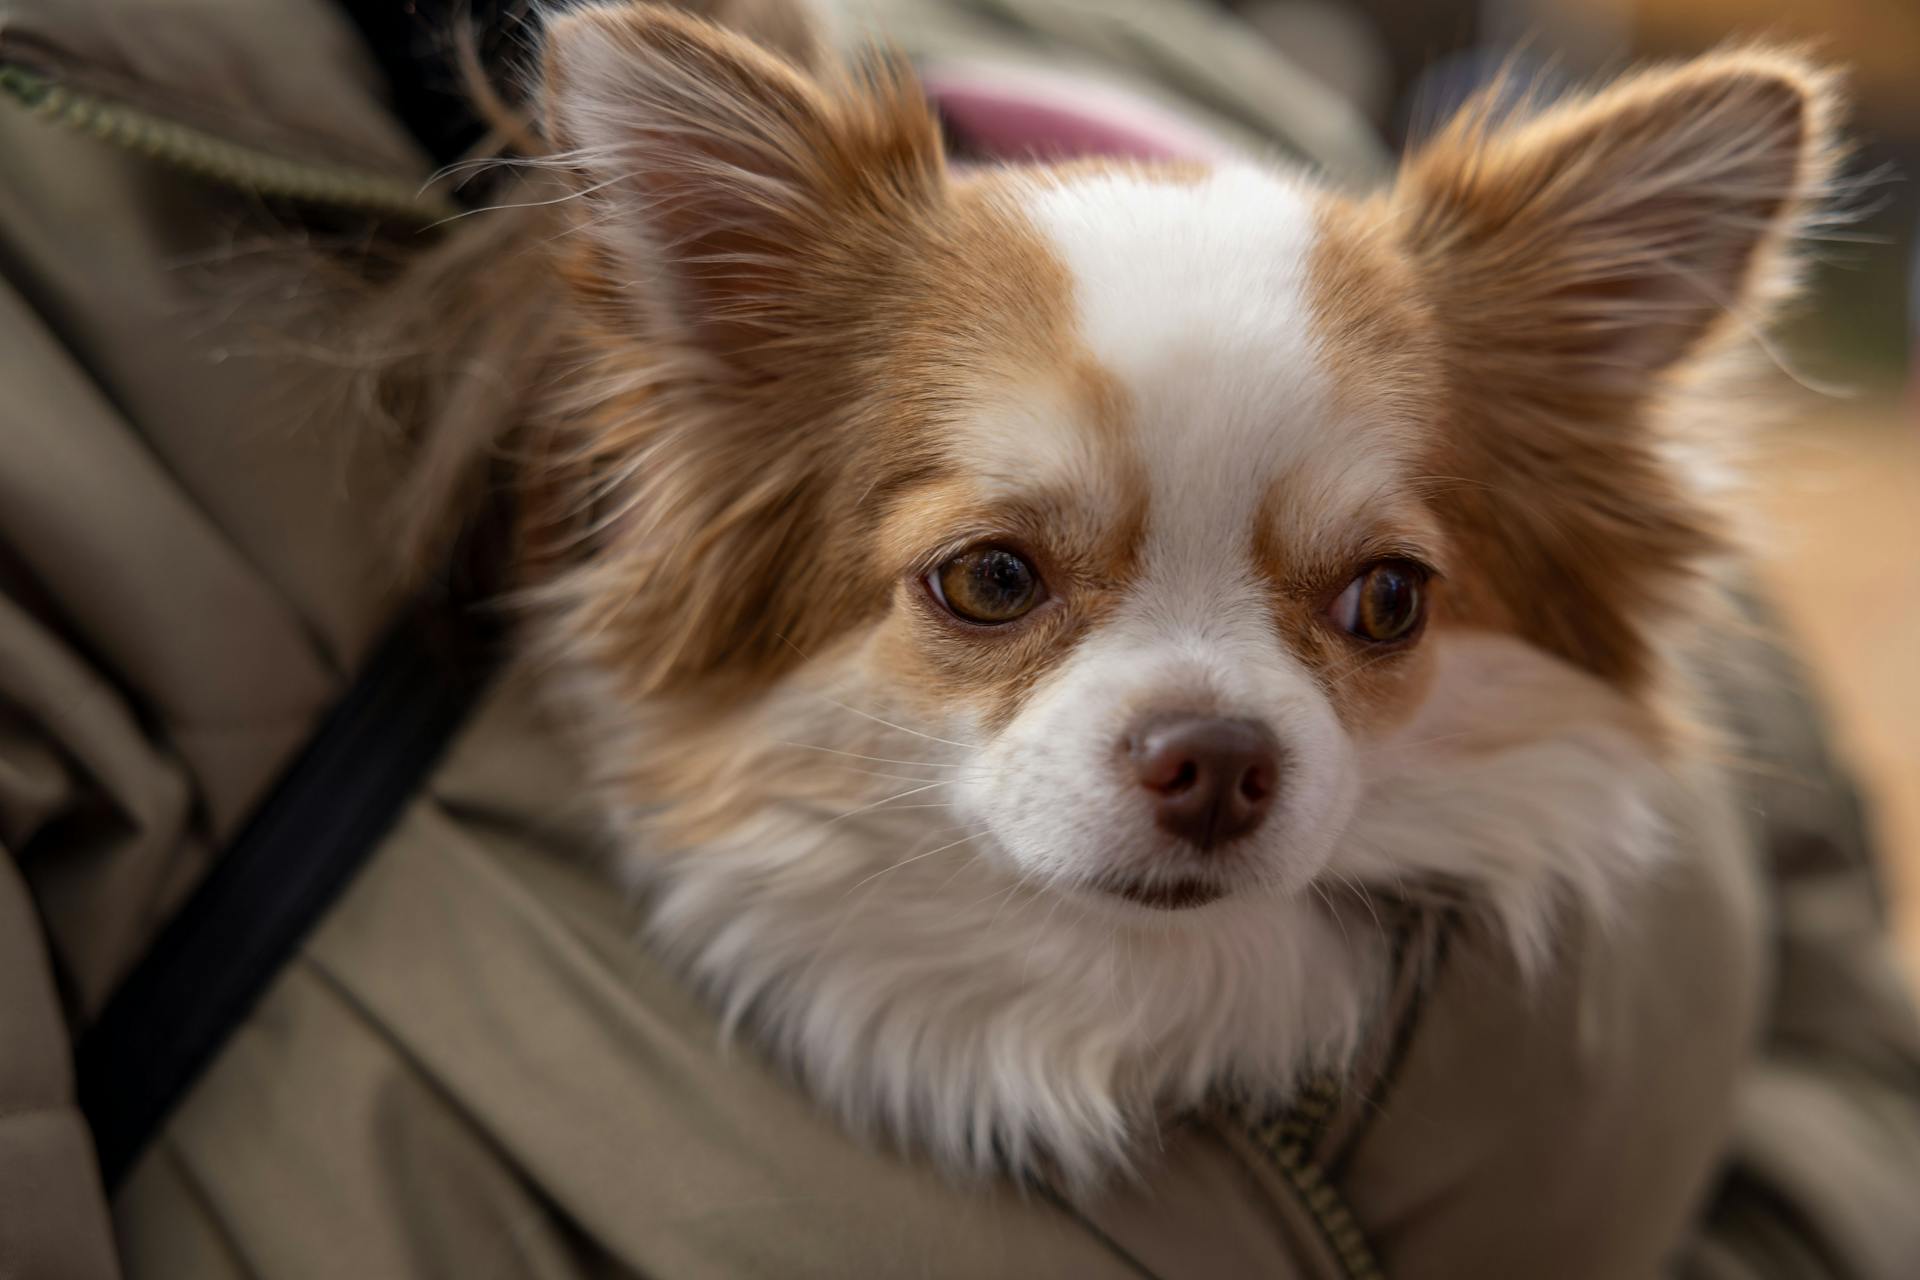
986	585
1385	603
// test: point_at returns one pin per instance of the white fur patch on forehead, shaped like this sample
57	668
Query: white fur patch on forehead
1194	295
1167	271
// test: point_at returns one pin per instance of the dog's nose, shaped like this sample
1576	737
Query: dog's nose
1212	779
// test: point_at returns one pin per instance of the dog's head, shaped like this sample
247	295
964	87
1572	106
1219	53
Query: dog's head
1012	609
1139	513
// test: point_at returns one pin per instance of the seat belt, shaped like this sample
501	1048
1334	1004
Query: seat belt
297	852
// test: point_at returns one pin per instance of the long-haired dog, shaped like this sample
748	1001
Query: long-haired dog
1021	619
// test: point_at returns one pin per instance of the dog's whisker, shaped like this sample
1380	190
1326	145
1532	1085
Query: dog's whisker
932	737
855	755
1360	891
897	777
868	715
1034	941
869	808
980	829
1006	895
1332	910
1362	663
952	844
1435	740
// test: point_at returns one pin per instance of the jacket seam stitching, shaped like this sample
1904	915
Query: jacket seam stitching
1098	1232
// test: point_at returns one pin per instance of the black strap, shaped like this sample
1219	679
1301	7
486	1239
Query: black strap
297	852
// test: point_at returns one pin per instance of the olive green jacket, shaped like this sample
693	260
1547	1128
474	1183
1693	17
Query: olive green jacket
472	1069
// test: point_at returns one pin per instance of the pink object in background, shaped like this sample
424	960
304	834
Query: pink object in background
1022	113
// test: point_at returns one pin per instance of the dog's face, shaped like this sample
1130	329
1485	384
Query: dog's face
1156	489
1170	542
1173	572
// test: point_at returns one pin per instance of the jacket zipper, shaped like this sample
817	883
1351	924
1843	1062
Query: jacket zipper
214	158
1294	1140
1288	1140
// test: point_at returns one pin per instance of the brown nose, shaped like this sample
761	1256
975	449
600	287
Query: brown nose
1212	779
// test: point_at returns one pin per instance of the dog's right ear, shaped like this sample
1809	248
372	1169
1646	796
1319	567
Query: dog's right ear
720	185
736	223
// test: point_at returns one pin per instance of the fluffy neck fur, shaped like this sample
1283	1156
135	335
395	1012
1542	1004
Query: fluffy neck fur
936	1002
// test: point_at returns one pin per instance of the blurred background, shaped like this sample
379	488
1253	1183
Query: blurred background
1838	475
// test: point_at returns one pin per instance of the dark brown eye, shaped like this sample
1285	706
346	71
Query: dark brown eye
986	585
1385	603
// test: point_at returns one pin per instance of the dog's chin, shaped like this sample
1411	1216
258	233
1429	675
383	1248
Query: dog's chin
1166	891
1166	895
1175	888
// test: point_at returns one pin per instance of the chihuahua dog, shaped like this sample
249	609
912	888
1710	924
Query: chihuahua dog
1022	619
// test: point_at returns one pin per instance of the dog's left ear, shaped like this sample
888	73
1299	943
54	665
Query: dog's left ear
1571	264
1581	253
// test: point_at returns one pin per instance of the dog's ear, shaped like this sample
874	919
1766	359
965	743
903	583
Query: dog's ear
1572	264
722	186
794	29
741	234
1584	251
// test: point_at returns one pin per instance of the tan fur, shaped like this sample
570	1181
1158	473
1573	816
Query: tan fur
1572	576
1372	688
1085	555
738	544
1570	264
1489	306
803	454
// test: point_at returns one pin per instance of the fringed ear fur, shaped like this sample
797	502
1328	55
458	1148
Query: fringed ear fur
1575	264
1584	251
734	224
724	187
